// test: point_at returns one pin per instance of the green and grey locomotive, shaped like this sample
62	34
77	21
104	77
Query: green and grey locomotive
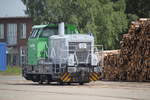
58	53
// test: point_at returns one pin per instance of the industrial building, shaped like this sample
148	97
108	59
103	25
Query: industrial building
14	31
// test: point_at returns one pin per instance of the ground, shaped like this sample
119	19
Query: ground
17	88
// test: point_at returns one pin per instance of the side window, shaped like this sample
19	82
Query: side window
22	30
32	33
1	31
76	31
12	34
35	33
71	30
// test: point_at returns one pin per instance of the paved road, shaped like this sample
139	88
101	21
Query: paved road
17	88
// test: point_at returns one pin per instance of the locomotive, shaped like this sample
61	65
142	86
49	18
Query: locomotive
58	53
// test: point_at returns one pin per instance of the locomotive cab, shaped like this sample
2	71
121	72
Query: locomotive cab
38	40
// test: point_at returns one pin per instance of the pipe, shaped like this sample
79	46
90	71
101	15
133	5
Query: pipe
61	29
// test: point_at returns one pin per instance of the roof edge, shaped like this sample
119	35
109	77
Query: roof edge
14	17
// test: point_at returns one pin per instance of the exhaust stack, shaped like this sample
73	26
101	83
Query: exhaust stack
61	29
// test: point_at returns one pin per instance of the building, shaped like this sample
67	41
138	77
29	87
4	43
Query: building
14	31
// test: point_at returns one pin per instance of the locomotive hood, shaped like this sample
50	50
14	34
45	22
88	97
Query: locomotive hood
74	37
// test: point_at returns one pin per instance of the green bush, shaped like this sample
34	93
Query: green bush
11	71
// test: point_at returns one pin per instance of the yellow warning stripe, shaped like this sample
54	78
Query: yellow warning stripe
94	76
94	79
66	77
90	79
63	76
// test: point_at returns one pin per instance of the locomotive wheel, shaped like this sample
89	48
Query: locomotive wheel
81	83
68	83
40	82
61	83
47	82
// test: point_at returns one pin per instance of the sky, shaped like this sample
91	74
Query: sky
12	8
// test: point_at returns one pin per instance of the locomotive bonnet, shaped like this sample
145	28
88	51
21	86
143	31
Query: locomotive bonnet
73	50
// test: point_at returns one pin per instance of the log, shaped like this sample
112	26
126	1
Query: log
132	61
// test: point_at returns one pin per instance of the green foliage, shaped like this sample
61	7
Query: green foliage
132	17
11	71
141	8
36	9
104	18
112	23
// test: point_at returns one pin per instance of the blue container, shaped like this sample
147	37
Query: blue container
3	56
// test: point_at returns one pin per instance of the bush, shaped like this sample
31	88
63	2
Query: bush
11	70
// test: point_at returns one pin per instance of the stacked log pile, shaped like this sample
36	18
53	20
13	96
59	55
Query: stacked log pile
108	52
132	63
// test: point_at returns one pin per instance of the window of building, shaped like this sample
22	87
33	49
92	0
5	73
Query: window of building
1	31
23	55
22	30
12	34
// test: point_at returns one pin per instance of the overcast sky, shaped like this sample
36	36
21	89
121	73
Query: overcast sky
11	8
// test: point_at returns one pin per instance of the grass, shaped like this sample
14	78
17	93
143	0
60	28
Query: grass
11	71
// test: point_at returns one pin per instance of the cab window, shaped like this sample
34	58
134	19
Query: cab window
47	32
35	33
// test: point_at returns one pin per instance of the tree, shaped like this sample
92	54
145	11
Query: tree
141	8
36	9
112	23
104	18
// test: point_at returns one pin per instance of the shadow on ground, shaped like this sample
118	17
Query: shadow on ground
50	84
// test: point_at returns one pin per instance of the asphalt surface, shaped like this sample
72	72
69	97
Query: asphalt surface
17	88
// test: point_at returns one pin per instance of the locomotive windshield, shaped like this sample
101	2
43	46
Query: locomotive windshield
44	32
49	31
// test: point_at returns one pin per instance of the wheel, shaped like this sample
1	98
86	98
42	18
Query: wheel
68	83
81	83
48	79
40	82
61	83
47	82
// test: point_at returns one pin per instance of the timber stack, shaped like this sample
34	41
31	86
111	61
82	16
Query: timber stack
132	62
